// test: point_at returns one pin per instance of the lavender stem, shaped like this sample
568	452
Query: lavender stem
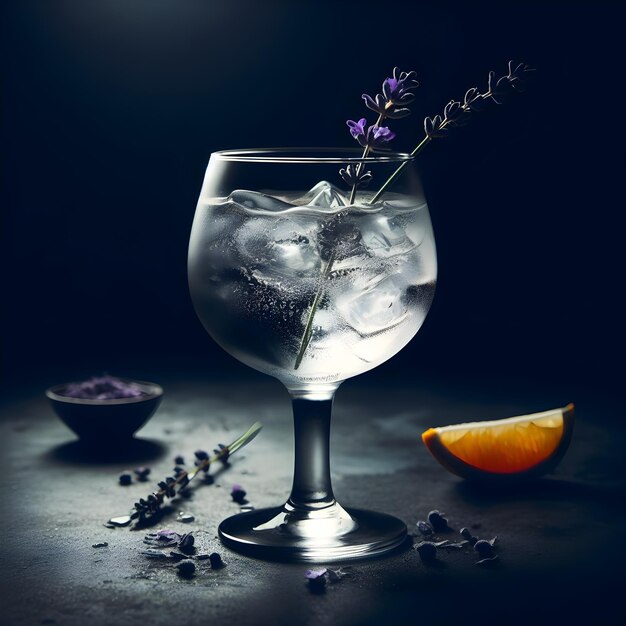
416	150
359	166
306	337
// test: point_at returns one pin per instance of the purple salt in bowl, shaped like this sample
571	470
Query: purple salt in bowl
111	419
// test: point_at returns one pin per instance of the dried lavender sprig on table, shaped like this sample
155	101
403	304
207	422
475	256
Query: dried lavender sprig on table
456	113
146	508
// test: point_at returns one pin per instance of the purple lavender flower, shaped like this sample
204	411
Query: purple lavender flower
357	129
398	88
378	136
397	93
374	137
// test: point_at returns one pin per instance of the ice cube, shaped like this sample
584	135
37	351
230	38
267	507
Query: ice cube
339	237
294	247
324	195
258	201
377	306
279	252
384	237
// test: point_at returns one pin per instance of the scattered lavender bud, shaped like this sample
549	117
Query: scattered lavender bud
142	473
166	534
216	560
186	544
238	494
484	548
467	534
425	528
102	544
179	460
438	521
125	478
178	556
186	569
316	577
427	550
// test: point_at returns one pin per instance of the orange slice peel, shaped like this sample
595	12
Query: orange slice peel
506	450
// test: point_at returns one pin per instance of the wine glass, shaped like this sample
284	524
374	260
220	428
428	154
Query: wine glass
299	278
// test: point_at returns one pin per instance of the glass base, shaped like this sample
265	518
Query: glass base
274	534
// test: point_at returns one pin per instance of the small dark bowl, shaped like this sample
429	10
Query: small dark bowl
99	420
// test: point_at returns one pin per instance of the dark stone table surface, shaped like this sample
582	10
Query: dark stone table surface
560	540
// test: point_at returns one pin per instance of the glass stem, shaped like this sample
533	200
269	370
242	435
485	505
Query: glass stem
312	488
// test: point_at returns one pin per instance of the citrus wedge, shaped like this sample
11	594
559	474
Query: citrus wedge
509	449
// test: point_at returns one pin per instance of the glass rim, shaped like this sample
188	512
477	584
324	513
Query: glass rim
309	155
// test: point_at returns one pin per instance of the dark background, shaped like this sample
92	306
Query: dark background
111	109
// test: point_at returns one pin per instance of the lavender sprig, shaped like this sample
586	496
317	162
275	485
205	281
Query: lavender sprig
148	507
397	92
456	113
